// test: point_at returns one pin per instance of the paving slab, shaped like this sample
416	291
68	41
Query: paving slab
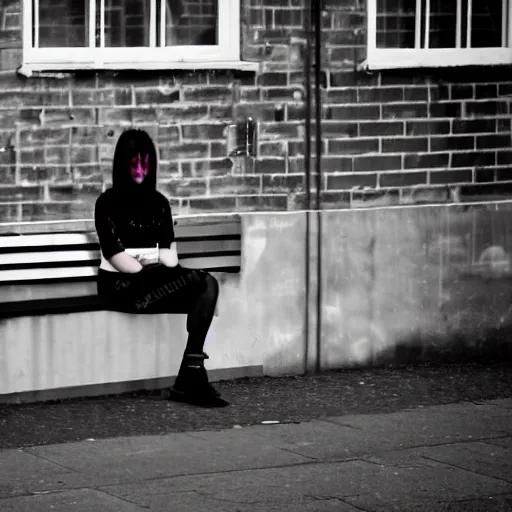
351	436
194	501
501	503
320	439
359	483
433	425
479	457
89	500
316	439
461	458
410	479
20	471
453	419
132	459
452	457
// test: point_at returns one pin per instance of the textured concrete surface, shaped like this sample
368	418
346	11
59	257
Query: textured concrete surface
286	399
445	457
430	283
416	284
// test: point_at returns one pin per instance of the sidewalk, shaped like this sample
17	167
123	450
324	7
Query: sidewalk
455	457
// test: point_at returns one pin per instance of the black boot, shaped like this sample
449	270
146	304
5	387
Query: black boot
206	356
192	386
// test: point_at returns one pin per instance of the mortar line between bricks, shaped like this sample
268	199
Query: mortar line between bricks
472	471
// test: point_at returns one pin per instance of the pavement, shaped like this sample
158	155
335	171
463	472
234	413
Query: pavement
454	453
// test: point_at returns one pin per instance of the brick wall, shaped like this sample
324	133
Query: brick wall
415	136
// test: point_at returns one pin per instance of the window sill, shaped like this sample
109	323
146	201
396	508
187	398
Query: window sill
382	59
34	70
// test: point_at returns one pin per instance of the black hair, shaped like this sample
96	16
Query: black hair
131	143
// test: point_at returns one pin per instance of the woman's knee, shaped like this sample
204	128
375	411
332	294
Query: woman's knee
212	287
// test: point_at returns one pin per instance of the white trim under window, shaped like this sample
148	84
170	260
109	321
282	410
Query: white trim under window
153	55
420	51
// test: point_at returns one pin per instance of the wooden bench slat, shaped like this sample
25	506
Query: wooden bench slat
63	305
38	274
42	265
66	273
40	249
27	245
42	257
46	240
184	248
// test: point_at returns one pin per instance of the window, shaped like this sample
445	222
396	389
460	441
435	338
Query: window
116	34
433	33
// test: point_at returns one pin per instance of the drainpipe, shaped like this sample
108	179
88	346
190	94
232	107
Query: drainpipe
313	24
307	178
317	16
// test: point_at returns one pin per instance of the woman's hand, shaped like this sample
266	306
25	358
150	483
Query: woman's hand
169	257
147	261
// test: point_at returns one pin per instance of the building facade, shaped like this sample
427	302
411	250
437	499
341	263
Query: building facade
415	102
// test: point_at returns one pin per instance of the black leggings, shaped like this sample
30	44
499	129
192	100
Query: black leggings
158	290
200	315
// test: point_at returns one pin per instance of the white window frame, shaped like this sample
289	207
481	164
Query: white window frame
397	58
225	55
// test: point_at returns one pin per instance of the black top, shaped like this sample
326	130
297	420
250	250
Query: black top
123	225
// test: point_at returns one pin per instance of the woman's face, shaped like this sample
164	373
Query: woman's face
139	168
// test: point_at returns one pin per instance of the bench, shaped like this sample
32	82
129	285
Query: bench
33	264
59	340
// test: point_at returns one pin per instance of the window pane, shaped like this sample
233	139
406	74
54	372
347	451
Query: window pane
486	23
191	22
65	29
396	23
443	23
127	23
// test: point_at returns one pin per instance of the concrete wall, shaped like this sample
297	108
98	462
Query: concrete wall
398	284
416	283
